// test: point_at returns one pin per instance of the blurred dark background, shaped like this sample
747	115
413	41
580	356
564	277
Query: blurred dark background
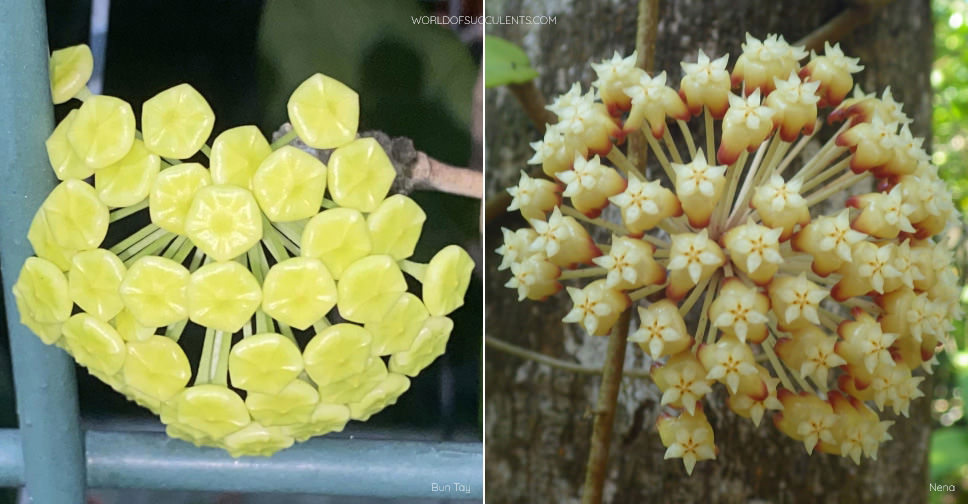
246	57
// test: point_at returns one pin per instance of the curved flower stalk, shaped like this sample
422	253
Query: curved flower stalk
264	251
739	277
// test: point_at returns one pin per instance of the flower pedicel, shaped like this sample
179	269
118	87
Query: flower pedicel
250	248
842	309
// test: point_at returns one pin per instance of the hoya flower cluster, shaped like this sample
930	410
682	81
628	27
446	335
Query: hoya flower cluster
738	275
257	248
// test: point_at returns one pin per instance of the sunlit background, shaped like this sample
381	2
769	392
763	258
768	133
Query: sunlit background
949	80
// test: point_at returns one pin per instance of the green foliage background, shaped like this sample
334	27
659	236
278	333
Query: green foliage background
949	81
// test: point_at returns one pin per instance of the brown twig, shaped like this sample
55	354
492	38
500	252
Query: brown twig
533	103
605	410
647	28
859	12
428	173
415	169
540	358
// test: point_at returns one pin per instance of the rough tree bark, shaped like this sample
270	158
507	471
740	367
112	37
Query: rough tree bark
538	419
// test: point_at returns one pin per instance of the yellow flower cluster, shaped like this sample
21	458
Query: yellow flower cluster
737	275
258	249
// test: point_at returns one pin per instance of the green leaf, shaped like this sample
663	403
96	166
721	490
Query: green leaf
505	63
949	451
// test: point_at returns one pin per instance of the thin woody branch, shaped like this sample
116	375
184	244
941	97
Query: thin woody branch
415	169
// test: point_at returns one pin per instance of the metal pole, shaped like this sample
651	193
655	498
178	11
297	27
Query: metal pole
357	467
44	381
11	459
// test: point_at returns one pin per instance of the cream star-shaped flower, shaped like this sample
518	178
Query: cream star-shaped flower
816	427
585	175
875	263
698	177
629	263
748	111
551	146
737	310
516	247
796	298
687	387
835	57
691	446
792	90
694	252
596	307
533	196
777	195
639	198
727	361
550	234
614	75
534	278
706	72
819	359
659	329
837	235
757	244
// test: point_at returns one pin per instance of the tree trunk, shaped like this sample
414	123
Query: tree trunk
538	419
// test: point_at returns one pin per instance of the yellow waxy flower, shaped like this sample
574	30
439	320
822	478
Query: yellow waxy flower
236	153
94	343
48	333
264	363
70	69
154	290
428	345
369	287
289	185
129	180
354	388
224	221
102	131
446	280
94	280
172	193
396	330
42	240
129	328
298	292
292	405
42	293
324	112
157	367
256	439
223	296
62	158
360	175
383	395
338	237
395	226
326	418
212	409
184	432
176	122
336	353
75	216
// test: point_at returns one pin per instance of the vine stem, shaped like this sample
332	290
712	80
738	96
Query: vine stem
597	465
647	28
547	360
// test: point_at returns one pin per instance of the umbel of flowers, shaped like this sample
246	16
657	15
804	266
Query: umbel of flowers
738	276
261	249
